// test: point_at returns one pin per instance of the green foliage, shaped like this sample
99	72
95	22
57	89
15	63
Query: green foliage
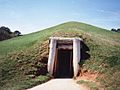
6	33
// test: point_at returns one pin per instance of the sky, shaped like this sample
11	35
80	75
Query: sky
30	16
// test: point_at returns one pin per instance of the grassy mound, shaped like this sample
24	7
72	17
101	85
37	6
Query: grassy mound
24	59
27	68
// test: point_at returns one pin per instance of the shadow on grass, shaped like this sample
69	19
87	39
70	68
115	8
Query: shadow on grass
84	53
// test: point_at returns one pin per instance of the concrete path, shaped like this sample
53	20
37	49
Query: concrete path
59	84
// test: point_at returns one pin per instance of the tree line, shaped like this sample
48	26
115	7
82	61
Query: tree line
115	30
6	33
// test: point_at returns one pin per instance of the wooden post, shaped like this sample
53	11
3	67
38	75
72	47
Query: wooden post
76	56
51	57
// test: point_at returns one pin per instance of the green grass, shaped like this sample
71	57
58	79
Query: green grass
29	40
26	56
28	83
89	84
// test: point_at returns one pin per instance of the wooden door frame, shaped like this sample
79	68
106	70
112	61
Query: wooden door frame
76	53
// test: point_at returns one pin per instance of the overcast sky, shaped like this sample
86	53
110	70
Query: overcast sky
32	15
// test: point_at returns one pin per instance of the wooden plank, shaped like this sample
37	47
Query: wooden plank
55	63
51	57
76	56
65	47
65	38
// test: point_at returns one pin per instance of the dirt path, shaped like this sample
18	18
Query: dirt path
59	84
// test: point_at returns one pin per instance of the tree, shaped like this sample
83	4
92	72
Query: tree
17	33
6	29
5	33
113	30
118	30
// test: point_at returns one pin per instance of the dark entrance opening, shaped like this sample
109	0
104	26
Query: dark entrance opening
63	67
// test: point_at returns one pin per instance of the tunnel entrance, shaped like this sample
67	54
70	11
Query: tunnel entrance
64	64
64	57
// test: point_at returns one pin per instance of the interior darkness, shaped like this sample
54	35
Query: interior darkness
64	64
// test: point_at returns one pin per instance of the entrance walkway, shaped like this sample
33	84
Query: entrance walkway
59	84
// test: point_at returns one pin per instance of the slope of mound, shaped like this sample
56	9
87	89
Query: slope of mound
24	59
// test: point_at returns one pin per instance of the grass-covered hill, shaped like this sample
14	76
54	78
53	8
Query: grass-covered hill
23	60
